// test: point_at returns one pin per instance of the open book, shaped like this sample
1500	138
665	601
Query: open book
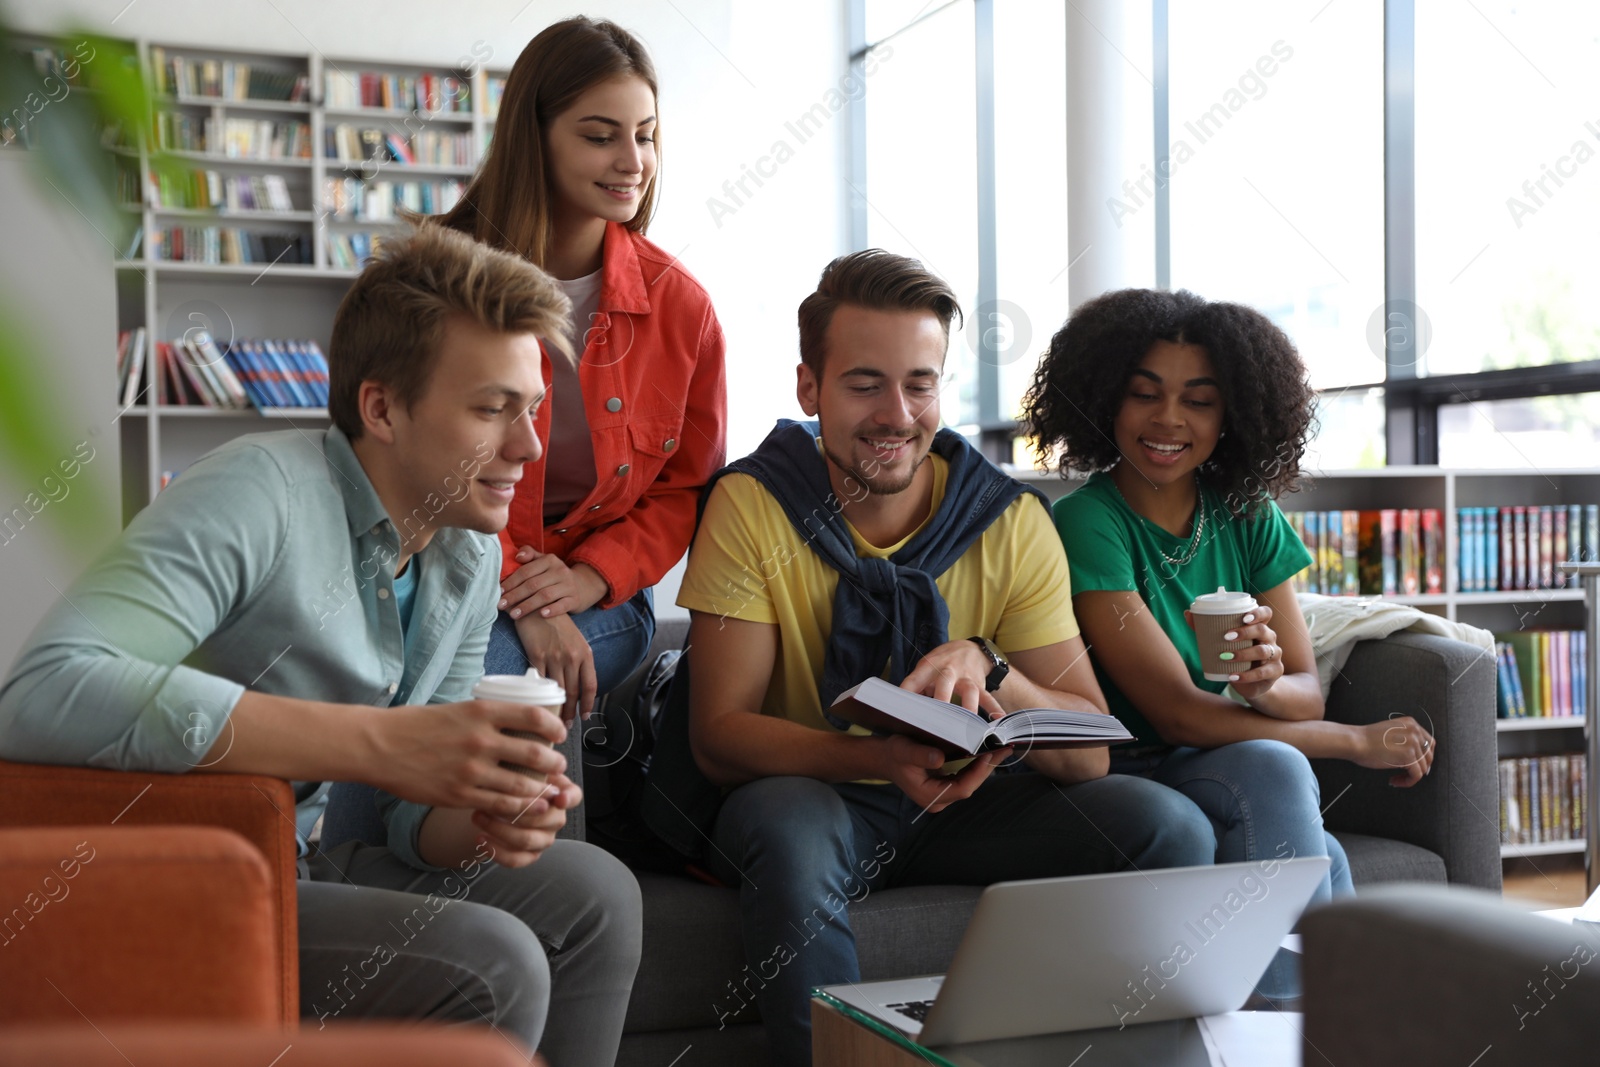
956	731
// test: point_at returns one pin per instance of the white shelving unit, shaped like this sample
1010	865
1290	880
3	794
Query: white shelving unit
259	300
1503	610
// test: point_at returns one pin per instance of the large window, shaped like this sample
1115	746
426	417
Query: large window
1276	141
1032	253
1508	185
921	190
1330	163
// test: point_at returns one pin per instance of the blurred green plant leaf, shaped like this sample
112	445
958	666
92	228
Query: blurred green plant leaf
63	126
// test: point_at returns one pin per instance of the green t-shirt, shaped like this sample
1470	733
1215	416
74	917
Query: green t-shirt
1112	548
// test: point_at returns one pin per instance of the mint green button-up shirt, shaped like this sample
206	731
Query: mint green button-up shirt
269	565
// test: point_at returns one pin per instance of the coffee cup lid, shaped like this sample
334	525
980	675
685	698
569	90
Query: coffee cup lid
529	688
1222	602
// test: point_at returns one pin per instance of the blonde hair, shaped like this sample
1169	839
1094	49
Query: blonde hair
390	324
508	204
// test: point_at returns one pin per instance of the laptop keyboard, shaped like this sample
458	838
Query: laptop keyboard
917	1009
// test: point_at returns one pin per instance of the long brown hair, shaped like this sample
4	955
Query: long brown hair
508	203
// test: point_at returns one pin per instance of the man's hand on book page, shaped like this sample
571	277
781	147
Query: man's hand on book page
955	672
915	767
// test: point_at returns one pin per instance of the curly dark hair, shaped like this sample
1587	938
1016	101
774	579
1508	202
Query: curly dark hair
1269	407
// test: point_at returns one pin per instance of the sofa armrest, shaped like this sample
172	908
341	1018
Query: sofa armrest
258	808
137	923
343	1045
1414	974
1449	687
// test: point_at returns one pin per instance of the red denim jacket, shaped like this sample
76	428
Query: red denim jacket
656	398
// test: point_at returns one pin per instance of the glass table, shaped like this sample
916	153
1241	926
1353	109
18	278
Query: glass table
845	1037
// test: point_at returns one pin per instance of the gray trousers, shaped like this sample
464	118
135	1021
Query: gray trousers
545	953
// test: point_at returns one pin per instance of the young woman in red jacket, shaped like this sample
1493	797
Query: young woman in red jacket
634	430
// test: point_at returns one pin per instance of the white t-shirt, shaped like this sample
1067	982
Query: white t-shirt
569	474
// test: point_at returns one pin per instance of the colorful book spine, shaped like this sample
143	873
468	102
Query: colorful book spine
1491	548
1350	539
1519	547
1410	551
1333	553
1432	578
1314	543
1547	548
1505	704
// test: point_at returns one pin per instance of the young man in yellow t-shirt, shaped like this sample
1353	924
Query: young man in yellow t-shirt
886	542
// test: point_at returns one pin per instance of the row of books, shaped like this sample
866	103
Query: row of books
352	198
1518	547
347	143
194	370
1542	798
225	79
58	63
350	251
425	92
1541	674
214	189
1388	552
228	245
235	138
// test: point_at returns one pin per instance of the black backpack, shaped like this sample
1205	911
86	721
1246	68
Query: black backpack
637	766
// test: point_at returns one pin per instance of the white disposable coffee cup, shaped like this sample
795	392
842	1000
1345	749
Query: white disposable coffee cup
530	688
1216	614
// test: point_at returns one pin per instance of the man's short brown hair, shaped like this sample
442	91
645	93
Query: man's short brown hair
874	279
390	325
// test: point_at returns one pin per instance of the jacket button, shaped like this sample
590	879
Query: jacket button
383	594
614	404
622	470
669	444
394	687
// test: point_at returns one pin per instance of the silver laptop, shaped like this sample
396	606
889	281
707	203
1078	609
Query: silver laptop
1059	954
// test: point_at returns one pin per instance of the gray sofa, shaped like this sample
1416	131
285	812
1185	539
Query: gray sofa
1444	829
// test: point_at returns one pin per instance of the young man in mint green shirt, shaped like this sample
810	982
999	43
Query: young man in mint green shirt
316	606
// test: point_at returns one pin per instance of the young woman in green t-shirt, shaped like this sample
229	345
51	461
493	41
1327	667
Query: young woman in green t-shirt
1190	417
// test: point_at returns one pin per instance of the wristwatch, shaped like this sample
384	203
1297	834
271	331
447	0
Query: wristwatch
1000	668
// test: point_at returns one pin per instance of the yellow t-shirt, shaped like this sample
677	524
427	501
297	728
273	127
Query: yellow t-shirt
749	563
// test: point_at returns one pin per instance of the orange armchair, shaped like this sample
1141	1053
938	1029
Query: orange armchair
348	1045
150	918
146	896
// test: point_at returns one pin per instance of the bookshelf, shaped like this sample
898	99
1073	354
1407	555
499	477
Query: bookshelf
211	122
1499	610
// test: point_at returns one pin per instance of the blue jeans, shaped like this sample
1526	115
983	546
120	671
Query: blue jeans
812	848
1264	803
619	637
